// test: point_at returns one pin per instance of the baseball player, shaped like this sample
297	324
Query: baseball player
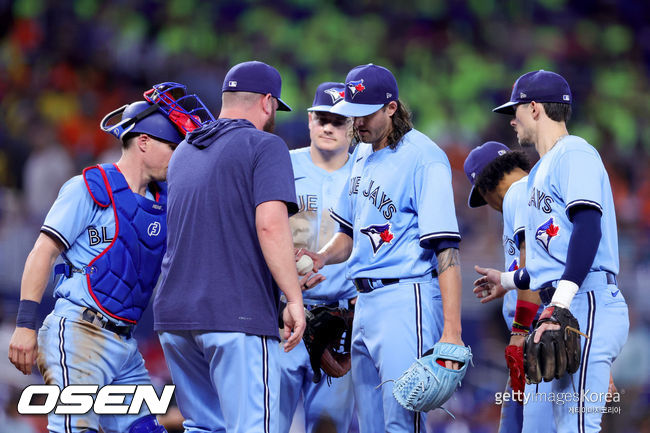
571	250
498	177
398	228
108	225
321	172
229	250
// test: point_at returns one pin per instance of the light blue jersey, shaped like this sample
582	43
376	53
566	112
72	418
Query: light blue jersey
394	217
570	174
73	351
535	413
514	218
317	191
85	229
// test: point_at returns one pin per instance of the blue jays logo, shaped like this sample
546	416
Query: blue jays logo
335	94
378	235
546	232
513	266
355	87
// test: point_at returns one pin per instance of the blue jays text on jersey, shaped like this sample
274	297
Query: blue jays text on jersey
372	193
540	200
514	215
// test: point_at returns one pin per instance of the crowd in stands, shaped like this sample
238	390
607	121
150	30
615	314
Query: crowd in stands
63	67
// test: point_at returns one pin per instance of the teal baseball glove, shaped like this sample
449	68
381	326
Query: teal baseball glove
427	385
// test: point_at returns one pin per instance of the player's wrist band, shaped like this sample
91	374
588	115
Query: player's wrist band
508	280
27	316
525	313
520	333
519	328
564	293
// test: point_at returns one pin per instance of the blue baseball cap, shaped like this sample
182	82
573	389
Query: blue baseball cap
538	86
367	89
327	95
476	161
256	77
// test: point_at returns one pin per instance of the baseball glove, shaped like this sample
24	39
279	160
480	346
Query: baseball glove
323	337
427	384
515	362
557	352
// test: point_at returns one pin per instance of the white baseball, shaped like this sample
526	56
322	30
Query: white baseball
484	293
304	265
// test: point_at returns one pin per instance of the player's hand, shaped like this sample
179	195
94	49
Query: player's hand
488	287
22	349
454	339
294	320
611	390
318	259
544	327
310	280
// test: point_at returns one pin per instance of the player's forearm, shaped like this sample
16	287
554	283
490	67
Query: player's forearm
450	290
274	234
38	268
337	250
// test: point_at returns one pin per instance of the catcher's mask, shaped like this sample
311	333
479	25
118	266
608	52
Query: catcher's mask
186	111
167	113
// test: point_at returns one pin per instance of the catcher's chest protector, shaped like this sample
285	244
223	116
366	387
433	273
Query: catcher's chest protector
122	277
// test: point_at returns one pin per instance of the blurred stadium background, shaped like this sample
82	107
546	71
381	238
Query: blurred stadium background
64	65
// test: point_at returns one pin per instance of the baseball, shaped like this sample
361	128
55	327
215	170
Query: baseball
304	265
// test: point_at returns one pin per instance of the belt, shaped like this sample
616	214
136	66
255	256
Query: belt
310	307
98	319
546	293
366	285
343	303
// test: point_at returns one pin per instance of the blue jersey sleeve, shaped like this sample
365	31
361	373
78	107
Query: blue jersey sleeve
273	174
434	201
71	212
580	178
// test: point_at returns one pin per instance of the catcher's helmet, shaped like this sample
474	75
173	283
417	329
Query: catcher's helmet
144	118
167	113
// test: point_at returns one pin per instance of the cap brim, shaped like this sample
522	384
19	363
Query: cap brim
282	106
326	108
507	108
475	198
349	109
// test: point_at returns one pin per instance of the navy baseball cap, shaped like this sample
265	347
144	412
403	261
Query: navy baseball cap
256	77
476	161
538	86
367	89
327	95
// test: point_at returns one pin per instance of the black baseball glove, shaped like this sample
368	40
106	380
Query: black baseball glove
324	338
558	351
